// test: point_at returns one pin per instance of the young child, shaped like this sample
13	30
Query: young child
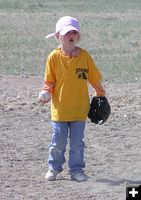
68	70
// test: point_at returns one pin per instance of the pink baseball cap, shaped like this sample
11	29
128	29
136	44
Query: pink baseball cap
64	25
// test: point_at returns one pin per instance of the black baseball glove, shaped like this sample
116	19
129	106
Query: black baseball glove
99	110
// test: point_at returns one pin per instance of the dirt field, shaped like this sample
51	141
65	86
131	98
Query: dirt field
112	153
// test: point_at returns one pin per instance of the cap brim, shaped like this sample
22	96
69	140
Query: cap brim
67	29
50	35
64	31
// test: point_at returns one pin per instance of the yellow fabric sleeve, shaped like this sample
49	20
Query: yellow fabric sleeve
94	74
50	70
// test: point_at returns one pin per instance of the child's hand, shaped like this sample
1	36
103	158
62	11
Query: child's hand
44	96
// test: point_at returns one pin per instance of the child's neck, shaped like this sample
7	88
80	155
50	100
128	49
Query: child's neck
71	53
69	50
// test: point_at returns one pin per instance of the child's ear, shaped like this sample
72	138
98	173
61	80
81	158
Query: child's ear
79	36
57	35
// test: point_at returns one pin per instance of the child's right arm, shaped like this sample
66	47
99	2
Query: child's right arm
49	79
48	86
45	94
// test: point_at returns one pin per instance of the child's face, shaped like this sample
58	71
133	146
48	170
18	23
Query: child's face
70	39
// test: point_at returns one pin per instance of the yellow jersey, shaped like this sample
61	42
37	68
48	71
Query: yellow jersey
70	76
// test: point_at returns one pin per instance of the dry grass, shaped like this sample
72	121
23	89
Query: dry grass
110	32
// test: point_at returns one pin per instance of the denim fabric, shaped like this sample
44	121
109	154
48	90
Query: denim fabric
62	131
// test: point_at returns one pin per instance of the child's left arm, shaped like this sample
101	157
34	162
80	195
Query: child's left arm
100	92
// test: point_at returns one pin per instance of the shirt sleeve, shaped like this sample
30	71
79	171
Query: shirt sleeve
50	70
94	75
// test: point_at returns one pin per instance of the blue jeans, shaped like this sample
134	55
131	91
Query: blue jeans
61	132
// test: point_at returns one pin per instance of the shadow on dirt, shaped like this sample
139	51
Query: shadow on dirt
113	182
